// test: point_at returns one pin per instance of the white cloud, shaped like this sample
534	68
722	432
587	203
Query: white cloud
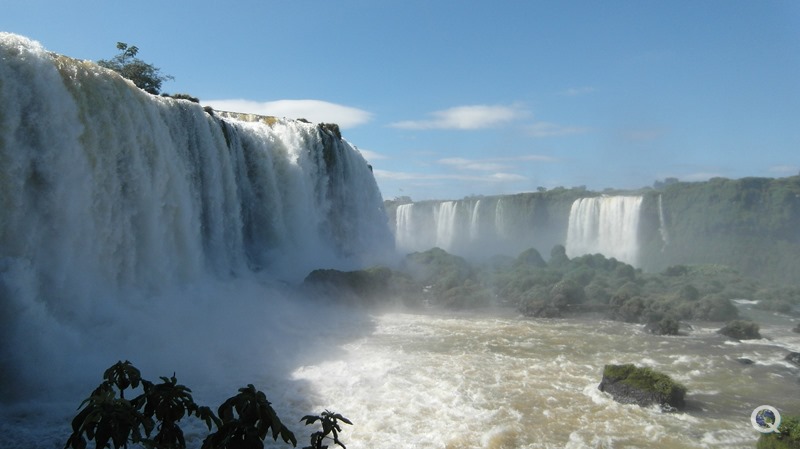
492	164
409	176
316	111
466	117
372	155
785	169
467	164
549	129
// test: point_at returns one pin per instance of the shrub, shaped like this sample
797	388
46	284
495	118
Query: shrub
242	421
741	330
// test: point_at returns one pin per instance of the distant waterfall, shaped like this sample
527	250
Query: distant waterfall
662	225
608	225
446	229
475	222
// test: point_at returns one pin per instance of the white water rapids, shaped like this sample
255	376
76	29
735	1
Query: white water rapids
499	381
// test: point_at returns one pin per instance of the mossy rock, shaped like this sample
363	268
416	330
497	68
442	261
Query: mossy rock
788	436
741	330
629	384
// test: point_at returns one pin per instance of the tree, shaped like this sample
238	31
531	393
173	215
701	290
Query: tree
145	76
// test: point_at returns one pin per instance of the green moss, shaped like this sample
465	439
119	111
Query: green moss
645	379
787	438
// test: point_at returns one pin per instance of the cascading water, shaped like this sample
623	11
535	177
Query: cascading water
446	224
662	225
142	227
608	225
475	222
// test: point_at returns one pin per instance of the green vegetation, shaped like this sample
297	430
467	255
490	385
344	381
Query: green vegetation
557	288
242	421
645	379
788	436
630	384
741	330
749	224
145	76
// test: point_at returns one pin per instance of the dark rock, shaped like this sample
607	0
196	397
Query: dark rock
793	357
797	328
629	384
664	326
741	330
745	361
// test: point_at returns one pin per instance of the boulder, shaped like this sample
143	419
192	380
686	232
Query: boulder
741	330
629	384
793	357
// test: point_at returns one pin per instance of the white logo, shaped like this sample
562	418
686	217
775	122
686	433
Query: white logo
766	419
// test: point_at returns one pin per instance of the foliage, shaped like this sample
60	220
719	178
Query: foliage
788	436
145	76
243	421
644	378
748	223
330	425
741	330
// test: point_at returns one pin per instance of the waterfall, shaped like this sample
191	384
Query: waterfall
500	220
474	222
662	226
446	224
608	225
109	196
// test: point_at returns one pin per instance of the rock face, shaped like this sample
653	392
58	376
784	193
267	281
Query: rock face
629	384
793	357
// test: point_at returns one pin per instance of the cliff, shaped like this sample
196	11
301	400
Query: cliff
749	224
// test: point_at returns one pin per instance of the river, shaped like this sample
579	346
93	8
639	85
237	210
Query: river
483	380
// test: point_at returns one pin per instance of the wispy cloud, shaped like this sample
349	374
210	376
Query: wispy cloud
466	118
575	91
549	129
410	176
372	155
785	169
492	164
316	111
467	164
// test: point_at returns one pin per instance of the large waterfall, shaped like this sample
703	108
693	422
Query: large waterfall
126	219
608	225
481	227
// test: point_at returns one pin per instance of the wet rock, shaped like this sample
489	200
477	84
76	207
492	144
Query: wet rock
741	330
629	384
793	357
745	361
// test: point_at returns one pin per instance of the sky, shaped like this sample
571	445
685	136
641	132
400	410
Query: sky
448	99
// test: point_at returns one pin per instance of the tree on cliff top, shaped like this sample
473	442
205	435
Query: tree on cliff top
145	76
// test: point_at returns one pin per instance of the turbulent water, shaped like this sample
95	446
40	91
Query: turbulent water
499	381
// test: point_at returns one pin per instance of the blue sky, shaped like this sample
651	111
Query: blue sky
453	98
